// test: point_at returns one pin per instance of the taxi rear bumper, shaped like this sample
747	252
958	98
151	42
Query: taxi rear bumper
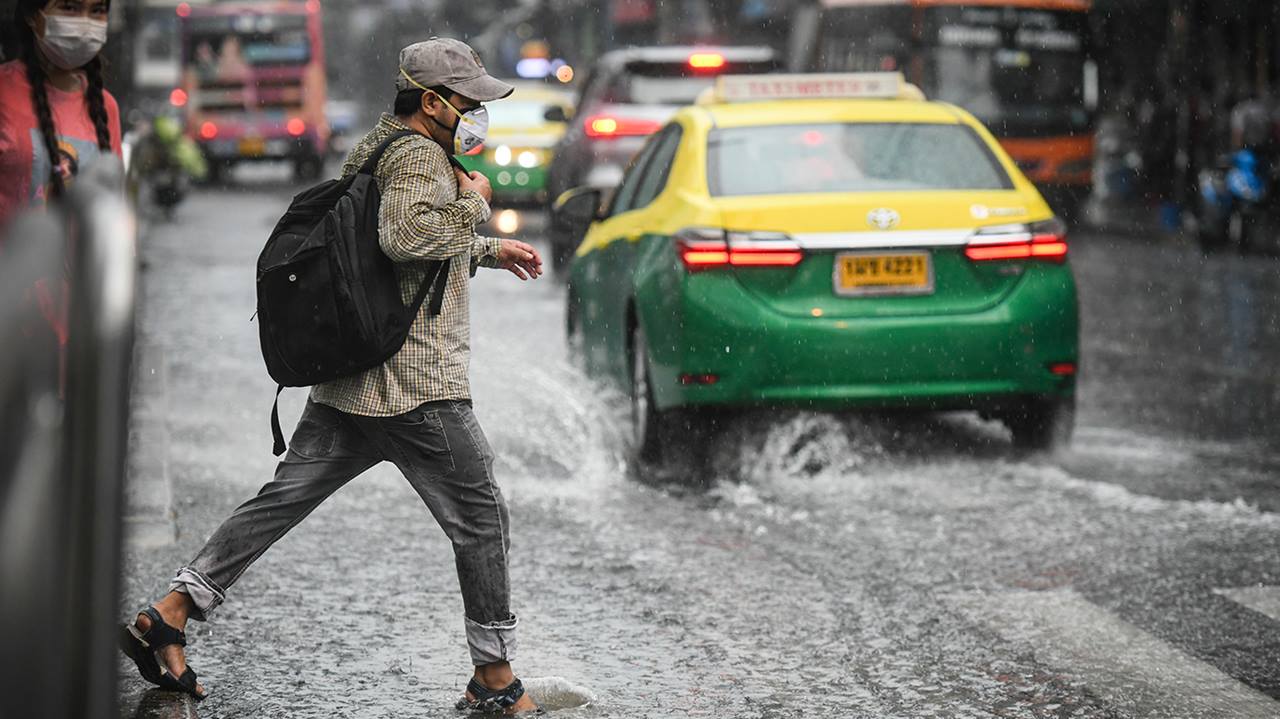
730	349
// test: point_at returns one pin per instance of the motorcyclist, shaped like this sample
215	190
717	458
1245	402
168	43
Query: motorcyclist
167	161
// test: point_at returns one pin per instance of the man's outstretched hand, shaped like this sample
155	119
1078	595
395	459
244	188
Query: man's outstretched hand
520	259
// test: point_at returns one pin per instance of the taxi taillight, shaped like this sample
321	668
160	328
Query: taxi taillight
703	249
1039	241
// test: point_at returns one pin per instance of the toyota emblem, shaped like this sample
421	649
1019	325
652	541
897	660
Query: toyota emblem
883	218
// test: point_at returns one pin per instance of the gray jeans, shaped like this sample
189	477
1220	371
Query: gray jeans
440	449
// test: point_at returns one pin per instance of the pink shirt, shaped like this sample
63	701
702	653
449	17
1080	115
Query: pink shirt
24	162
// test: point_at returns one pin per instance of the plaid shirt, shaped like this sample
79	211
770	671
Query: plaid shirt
422	217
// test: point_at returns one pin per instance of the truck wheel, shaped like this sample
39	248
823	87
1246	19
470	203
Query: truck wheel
1042	423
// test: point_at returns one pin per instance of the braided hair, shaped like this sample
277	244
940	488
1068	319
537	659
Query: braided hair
93	93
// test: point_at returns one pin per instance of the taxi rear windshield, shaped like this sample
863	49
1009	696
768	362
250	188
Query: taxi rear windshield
851	157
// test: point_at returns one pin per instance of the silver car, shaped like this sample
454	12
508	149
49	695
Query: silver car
628	96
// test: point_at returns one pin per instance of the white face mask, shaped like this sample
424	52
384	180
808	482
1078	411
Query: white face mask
473	125
472	129
71	42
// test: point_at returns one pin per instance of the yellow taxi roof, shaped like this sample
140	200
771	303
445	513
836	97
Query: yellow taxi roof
785	112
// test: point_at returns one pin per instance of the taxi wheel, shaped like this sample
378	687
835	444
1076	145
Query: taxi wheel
1043	423
673	441
573	325
645	418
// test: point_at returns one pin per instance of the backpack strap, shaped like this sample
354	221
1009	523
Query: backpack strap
435	279
277	434
437	298
371	163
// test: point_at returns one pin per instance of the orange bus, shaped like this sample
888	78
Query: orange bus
1021	66
253	83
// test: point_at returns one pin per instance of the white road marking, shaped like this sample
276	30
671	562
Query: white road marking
1261	599
1128	668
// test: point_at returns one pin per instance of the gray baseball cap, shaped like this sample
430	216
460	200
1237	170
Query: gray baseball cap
443	61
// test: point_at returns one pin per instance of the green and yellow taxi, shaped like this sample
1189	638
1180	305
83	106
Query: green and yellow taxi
523	129
827	242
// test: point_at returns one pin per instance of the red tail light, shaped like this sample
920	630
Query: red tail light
1040	241
178	98
1063	369
296	126
706	61
208	131
691	379
610	126
702	249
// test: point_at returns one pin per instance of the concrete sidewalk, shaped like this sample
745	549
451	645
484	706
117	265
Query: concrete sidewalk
149	517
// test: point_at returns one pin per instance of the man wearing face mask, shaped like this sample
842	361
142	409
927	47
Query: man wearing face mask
414	410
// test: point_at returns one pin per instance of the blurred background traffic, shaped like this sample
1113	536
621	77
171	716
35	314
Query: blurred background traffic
1151	127
1129	103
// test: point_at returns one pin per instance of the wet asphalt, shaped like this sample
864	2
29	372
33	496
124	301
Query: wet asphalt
855	565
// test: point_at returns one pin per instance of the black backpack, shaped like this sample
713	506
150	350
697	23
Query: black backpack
328	299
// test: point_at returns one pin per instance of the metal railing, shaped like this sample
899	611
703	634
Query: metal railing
67	297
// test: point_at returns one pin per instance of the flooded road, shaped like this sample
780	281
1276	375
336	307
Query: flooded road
856	565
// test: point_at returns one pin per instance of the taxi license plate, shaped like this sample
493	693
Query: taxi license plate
253	147
859	274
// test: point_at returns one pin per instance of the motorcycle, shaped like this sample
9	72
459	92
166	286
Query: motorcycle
1235	201
167	162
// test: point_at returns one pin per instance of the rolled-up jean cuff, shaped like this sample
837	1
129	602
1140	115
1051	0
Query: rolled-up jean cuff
204	592
492	642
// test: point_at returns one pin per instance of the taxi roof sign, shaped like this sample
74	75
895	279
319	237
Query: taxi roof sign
810	86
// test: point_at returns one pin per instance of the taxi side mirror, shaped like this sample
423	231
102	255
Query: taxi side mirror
555	113
577	207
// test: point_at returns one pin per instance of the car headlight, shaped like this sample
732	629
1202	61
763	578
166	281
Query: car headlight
529	158
502	155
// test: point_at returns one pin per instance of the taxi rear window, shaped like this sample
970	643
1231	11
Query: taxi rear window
850	157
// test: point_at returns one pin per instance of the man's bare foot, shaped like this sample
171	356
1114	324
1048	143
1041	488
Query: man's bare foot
498	676
173	609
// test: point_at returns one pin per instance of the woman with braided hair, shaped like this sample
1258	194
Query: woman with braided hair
56	118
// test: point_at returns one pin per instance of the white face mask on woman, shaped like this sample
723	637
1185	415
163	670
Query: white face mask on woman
71	42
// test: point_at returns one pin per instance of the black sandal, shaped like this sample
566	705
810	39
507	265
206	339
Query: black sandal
141	648
491	700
